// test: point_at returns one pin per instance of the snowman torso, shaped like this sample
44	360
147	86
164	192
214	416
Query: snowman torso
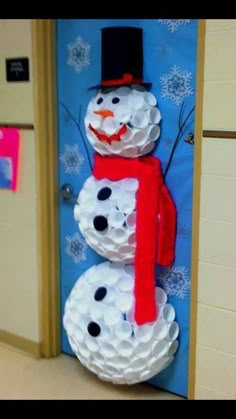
106	215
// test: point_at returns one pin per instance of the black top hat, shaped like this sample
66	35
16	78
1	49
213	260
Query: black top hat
122	57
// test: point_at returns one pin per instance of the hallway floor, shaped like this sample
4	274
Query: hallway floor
22	377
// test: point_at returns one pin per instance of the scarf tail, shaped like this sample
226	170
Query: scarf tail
167	229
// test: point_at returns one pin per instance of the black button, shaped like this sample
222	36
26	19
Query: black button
104	193
94	329
100	223
115	100
100	293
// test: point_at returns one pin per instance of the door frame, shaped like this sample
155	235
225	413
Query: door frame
45	97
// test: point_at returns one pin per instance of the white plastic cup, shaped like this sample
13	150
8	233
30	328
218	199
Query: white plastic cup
116	218
173	331
135	101
160	348
150	99
148	148
123	91
130	152
154	115
115	147
137	364
132	240
130	184
140	119
139	136
122	114
160	329
173	348
125	348
126	283
123	330
124	302
153	133
112	316
96	310
126	137
91	344
157	365
126	250
144	333
107	350
160	296
122	361
131	220
110	125
143	350
168	313
118	235
110	295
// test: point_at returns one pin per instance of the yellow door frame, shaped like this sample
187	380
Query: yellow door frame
45	89
45	101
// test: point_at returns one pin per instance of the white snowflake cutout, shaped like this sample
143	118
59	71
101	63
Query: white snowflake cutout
76	248
175	281
78	54
72	159
176	85
173	24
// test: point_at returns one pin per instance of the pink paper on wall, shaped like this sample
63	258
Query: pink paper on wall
9	157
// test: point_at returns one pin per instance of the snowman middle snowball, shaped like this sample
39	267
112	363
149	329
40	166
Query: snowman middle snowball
106	215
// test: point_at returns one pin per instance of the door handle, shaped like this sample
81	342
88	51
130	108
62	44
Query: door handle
67	192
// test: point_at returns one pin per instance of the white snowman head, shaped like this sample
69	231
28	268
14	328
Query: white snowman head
100	325
123	121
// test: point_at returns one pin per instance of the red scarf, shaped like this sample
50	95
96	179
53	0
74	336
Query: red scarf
155	224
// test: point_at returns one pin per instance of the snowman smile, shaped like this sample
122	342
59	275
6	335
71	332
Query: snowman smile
108	138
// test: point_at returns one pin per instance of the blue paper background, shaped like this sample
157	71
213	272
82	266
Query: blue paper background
170	53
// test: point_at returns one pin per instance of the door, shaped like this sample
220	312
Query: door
170	54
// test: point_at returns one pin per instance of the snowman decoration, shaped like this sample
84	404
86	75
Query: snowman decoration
118	323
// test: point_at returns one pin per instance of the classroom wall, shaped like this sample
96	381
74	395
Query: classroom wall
216	326
19	264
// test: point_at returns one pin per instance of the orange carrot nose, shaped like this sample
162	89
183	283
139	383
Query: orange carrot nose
105	113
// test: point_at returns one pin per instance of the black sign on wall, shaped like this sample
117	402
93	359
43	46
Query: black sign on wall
17	69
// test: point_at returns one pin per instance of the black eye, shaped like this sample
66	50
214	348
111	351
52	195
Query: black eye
100	100
115	100
100	223
100	293
104	194
94	329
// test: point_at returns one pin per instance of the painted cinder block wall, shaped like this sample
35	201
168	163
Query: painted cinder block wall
216	325
19	264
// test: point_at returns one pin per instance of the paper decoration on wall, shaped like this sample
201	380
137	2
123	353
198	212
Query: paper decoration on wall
99	320
126	214
9	158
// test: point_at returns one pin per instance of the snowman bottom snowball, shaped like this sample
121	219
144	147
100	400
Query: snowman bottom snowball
99	322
